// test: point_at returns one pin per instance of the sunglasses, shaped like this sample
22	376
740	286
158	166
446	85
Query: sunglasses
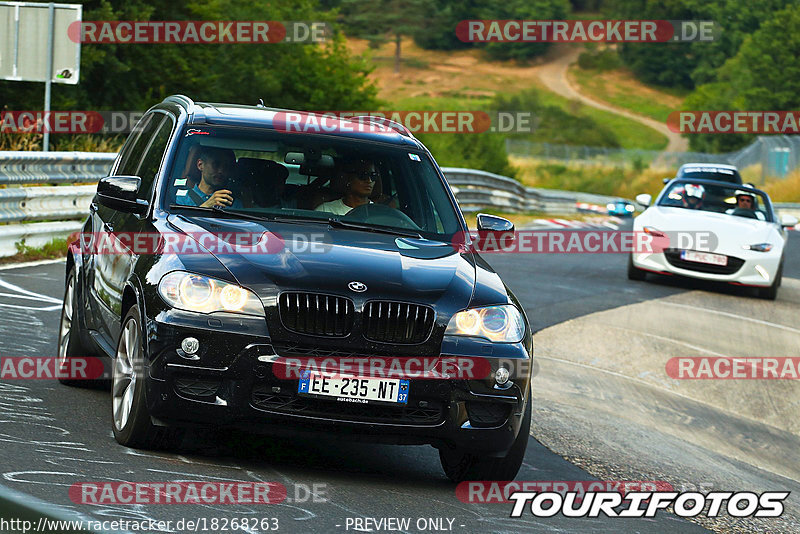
367	176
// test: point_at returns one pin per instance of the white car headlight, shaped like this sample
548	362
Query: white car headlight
502	324
193	292
759	247
653	231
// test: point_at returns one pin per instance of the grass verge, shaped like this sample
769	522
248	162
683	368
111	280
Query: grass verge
56	248
619	88
598	179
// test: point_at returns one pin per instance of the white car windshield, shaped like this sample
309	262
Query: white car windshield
737	201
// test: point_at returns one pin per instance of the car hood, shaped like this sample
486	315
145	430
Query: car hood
728	232
316	258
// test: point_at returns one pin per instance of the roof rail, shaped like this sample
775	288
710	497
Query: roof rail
182	100
382	121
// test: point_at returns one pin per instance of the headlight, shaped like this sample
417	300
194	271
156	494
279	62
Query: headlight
759	247
655	232
503	324
629	208
192	292
610	207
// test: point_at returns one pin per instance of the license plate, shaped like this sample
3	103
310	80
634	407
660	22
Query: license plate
704	257
354	389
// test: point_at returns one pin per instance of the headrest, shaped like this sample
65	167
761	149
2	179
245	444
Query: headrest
190	170
264	169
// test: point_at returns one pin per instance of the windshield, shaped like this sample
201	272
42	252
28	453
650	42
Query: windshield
288	175
739	201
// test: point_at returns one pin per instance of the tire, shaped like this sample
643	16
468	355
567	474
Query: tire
69	337
771	292
130	418
460	466
634	273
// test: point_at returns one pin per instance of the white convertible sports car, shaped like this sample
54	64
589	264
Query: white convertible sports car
713	231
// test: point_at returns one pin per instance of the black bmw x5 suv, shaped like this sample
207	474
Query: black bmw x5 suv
232	260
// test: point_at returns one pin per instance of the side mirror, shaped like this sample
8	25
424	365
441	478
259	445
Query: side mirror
788	221
493	223
667	180
644	199
119	193
501	230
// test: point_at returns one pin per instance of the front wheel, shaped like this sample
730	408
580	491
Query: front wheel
771	292
633	272
460	465
131	421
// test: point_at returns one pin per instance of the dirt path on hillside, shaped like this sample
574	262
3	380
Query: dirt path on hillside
553	75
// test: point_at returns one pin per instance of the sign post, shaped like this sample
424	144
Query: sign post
35	47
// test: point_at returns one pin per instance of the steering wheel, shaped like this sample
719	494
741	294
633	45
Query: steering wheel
744	212
381	214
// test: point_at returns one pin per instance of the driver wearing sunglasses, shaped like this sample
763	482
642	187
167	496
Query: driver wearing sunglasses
359	181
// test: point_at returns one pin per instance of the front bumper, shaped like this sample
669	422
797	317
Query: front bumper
233	382
746	274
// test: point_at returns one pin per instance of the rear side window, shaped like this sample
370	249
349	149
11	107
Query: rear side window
153	156
133	154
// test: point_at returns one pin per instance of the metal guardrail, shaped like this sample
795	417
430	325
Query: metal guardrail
24	513
477	190
775	155
19	204
24	168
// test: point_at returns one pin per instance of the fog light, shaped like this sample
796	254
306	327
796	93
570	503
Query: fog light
501	376
190	345
763	272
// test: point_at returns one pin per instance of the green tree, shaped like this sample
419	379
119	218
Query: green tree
136	76
483	151
667	64
522	10
689	64
380	20
446	15
764	75
442	24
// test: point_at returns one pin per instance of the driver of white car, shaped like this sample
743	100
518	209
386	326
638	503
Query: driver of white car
746	201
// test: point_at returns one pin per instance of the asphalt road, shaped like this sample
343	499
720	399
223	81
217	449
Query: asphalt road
53	436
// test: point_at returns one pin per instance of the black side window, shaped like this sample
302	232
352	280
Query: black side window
152	158
131	164
132	153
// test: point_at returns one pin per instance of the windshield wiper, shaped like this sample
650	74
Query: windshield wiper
219	211
338	223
